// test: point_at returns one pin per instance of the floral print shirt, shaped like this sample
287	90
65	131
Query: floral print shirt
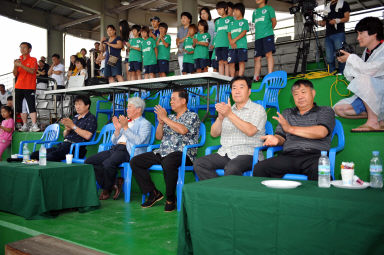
173	141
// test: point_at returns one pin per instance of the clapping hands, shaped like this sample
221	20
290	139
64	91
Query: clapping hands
161	113
224	109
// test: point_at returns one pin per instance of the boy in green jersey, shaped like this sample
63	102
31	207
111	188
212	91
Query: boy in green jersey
265	21
135	57
189	50
149	51
222	43
163	44
201	42
238	47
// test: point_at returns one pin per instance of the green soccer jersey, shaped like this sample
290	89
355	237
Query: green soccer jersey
135	55
236	27
164	52
188	46
221	28
200	50
148	48
263	23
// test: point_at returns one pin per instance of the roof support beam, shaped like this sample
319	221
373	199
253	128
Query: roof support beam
362	5
69	6
133	4
78	21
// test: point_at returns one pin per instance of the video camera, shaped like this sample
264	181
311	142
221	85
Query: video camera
345	47
306	7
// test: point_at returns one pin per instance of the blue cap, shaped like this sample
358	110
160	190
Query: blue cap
324	153
375	153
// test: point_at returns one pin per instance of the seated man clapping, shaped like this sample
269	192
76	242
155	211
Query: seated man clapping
240	126
78	130
129	131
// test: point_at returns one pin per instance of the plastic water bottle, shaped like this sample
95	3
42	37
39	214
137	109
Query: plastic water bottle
376	171
26	153
324	171
42	156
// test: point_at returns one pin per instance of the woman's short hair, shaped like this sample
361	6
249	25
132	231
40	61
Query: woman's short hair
137	102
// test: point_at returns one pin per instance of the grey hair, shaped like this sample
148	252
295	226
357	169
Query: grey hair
137	102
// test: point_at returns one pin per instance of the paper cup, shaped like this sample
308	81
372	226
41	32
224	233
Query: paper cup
347	176
69	158
14	155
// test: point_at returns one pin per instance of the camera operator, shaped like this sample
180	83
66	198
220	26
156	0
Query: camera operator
367	78
336	13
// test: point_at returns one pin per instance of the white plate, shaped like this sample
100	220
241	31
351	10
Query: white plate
281	184
339	184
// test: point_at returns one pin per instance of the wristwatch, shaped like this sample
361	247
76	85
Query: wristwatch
74	128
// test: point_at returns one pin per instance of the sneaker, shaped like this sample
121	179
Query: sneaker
256	79
24	128
34	128
152	199
169	206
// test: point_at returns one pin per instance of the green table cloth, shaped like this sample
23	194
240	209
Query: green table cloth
36	192
239	215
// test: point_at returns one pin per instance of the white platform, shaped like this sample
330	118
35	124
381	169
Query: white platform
171	82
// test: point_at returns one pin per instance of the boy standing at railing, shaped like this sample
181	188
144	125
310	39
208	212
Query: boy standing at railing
237	36
188	62
135	57
265	21
222	43
201	42
149	50
163	45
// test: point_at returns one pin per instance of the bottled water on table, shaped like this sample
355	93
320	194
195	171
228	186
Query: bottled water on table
324	171
26	153
42	156
376	171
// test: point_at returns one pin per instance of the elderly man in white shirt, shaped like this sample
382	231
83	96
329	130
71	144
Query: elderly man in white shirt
129	131
367	78
241	127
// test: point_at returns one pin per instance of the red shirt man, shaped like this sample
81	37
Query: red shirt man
25	72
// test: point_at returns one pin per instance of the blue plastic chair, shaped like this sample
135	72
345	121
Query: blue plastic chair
182	168
49	137
224	93
127	171
120	100
338	130
194	98
273	83
105	137
220	172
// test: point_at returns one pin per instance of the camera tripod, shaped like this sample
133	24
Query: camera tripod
309	30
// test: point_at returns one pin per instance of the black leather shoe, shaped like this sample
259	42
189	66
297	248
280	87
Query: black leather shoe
152	199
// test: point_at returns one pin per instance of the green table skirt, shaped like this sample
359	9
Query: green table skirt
239	215
36	192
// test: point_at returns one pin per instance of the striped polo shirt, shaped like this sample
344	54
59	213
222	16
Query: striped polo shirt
318	115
